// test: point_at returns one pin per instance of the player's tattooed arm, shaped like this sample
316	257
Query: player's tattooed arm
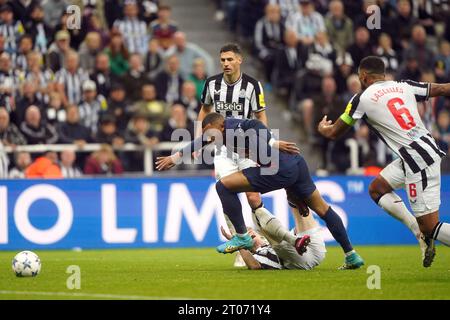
440	89
332	130
247	256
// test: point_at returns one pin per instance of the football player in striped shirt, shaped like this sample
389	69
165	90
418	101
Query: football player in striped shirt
390	110
277	249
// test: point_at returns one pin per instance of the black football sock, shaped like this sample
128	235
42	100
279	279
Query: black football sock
337	229
231	207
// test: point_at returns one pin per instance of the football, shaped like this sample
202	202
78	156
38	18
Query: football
26	264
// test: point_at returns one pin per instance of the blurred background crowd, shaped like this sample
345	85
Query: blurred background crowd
128	74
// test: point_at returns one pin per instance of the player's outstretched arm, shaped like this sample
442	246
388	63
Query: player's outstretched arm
166	163
440	89
332	130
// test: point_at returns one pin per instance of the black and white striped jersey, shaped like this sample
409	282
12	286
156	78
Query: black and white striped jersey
267	258
135	35
390	110
72	83
12	33
237	100
4	163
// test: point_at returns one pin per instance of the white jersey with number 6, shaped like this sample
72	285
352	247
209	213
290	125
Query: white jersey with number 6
390	109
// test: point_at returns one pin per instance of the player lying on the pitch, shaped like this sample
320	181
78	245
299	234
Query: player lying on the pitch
291	173
278	251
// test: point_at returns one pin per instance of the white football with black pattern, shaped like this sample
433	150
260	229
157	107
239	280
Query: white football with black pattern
26	264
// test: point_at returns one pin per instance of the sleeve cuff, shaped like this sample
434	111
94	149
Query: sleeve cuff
347	119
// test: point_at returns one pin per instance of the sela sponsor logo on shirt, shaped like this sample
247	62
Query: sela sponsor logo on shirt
225	106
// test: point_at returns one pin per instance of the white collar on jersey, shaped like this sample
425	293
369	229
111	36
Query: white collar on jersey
232	84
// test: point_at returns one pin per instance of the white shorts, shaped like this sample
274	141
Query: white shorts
423	188
314	255
224	166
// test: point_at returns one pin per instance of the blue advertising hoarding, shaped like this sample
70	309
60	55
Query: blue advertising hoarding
167	212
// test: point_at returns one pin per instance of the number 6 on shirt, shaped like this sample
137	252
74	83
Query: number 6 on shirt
401	114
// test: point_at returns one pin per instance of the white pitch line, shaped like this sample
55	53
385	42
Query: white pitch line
91	295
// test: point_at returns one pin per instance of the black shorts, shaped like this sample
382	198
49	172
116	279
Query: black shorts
293	176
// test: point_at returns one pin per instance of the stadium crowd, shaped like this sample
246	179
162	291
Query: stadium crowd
122	73
310	51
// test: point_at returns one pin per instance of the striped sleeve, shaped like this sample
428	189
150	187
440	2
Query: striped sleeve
353	111
258	102
206	95
421	89
267	258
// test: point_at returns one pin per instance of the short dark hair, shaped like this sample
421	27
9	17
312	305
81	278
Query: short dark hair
233	47
211	118
373	65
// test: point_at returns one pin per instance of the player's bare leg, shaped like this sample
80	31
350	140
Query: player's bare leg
384	196
336	227
433	230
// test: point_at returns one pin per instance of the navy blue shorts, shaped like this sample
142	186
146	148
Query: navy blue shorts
293	176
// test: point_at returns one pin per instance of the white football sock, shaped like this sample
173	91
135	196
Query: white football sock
394	205
442	233
272	226
230	225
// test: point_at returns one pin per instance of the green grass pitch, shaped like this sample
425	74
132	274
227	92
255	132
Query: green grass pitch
204	274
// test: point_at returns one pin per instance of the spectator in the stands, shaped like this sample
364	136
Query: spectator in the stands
67	164
198	76
187	52
118	105
22	9
103	162
269	33
323	47
178	120
55	112
135	78
56	55
344	67
137	40
72	131
287	7
387	53
108	133
442	62
307	22
169	82
339	26
10	28
89	49
92	106
190	101
9	77
39	30
154	59
102	75
25	47
409	69
42	77
70	79
164	28
22	160
28	98
139	133
118	55
35	130
155	109
418	49
45	166
353	87
9	133
53	9
361	47
289	61
403	25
